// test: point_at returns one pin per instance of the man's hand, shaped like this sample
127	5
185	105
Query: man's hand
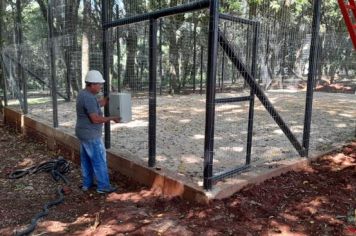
97	119
117	119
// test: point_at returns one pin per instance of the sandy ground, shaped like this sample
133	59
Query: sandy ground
181	125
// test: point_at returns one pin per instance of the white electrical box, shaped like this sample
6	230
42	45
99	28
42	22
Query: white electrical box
120	105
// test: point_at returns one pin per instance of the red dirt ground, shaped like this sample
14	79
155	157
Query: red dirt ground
335	88
319	200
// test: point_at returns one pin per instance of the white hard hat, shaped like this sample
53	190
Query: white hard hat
94	76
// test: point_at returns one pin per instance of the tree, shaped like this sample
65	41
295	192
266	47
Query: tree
130	77
85	39
2	77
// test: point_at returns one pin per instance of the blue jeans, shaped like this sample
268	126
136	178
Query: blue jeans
93	164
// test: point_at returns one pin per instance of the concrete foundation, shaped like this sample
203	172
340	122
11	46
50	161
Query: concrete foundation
164	181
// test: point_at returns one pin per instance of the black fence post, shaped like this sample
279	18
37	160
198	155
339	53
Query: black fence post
210	93
53	65
313	57
152	93
106	64
252	93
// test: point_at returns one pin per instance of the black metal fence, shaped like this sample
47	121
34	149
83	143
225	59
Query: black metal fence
213	54
215	36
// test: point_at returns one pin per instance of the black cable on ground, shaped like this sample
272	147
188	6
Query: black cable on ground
57	168
41	214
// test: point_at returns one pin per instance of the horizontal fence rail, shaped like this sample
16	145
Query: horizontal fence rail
160	13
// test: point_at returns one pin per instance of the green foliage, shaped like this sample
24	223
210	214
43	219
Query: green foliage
32	16
285	26
331	17
229	6
275	5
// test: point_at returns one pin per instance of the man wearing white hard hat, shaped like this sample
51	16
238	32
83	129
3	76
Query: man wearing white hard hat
88	129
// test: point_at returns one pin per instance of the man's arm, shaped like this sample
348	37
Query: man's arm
103	101
97	119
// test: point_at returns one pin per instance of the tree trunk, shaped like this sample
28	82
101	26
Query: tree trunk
74	68
19	40
130	77
22	84
174	71
85	57
332	73
160	56
43	8
118	52
193	74
2	77
85	41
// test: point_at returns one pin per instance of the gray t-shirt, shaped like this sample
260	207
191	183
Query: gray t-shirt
87	104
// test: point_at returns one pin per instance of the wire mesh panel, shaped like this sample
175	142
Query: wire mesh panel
181	107
241	38
180	70
129	75
334	113
232	117
283	60
274	124
33	68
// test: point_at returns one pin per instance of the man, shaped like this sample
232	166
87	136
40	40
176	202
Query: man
88	129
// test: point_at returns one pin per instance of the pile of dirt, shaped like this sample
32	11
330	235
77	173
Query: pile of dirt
319	200
335	88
